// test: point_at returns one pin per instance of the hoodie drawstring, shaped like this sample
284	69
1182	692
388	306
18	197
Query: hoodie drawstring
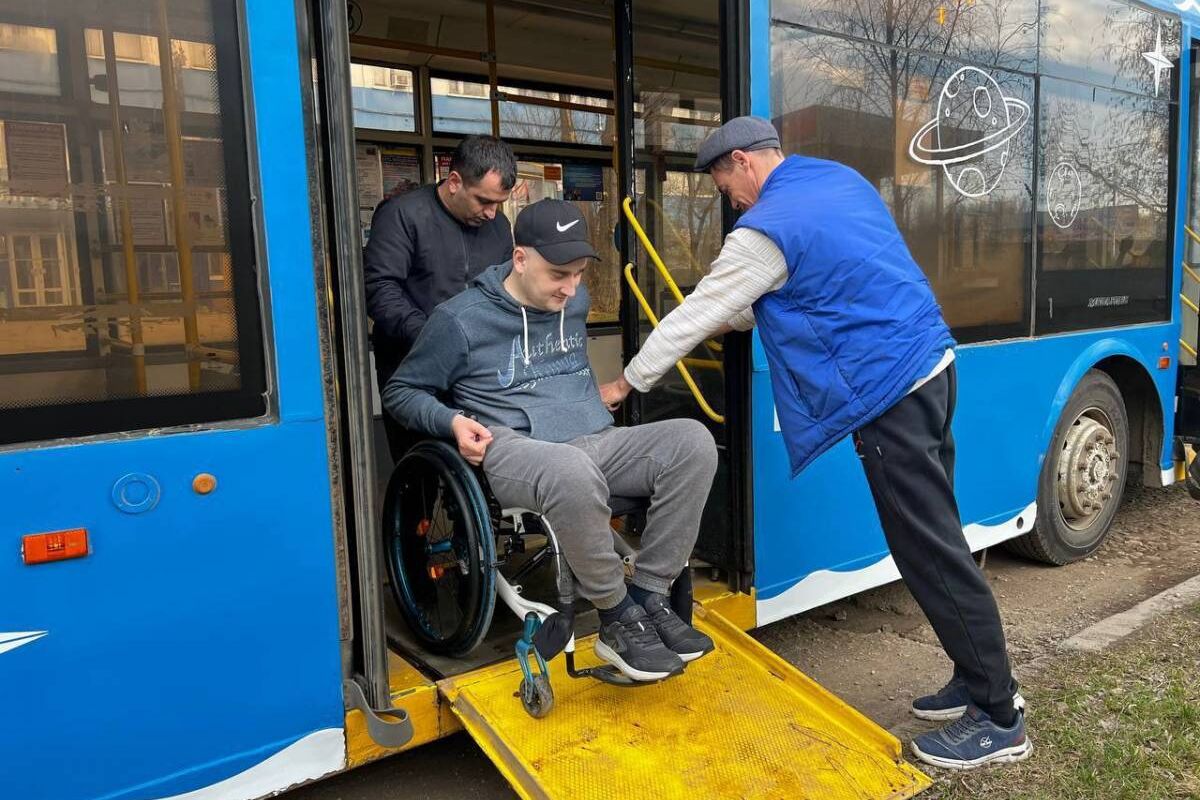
525	339
562	341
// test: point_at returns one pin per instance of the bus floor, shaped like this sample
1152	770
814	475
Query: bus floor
499	643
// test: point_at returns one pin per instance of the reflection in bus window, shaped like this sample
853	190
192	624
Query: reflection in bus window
1104	173
1104	254
1103	42
967	225
993	33
125	259
28	59
137	70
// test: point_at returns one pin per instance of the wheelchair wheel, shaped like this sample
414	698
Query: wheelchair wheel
538	697
439	549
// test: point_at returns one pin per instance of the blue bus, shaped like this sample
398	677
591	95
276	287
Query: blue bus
204	595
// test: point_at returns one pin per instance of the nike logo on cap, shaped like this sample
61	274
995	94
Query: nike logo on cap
564	228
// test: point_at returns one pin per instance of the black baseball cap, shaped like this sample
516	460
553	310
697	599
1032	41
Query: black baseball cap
556	229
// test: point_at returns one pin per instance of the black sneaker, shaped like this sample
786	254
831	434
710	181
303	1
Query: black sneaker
632	645
679	637
951	702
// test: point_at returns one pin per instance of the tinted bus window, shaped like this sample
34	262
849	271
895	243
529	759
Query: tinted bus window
1105	43
993	33
128	295
1104	196
383	97
464	106
902	120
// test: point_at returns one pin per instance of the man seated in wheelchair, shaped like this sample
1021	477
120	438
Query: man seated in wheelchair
510	355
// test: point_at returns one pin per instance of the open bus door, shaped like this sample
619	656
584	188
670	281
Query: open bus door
1187	417
742	721
665	107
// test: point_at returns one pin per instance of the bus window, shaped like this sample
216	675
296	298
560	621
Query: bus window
872	107
998	33
677	103
383	97
128	290
1105	155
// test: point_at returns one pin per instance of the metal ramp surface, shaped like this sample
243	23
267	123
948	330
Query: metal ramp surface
739	723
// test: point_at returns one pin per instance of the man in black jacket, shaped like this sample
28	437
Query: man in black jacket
427	245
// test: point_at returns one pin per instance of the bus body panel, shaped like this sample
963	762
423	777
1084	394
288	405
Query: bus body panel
817	538
824	521
227	603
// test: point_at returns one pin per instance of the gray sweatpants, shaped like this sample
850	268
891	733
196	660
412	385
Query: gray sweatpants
672	462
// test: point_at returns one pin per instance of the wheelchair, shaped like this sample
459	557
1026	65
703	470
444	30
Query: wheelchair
448	545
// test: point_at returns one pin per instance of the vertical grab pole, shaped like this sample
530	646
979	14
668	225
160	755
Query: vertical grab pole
623	94
183	244
132	289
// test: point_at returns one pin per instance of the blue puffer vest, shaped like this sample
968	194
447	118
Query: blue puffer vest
856	324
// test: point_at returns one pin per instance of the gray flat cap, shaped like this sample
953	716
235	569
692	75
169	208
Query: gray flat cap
739	133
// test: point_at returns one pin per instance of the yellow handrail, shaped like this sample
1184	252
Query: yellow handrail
627	207
1195	236
687	376
703	363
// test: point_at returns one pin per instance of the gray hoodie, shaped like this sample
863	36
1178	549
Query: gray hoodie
503	364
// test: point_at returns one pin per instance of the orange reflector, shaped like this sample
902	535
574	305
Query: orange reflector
1164	362
40	548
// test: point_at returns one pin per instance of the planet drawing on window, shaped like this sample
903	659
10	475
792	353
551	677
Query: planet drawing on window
970	136
1064	191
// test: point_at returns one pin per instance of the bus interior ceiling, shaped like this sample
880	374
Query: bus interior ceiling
421	79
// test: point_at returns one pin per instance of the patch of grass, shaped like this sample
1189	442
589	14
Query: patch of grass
1119	725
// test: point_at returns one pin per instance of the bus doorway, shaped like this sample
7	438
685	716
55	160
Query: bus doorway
1187	422
421	76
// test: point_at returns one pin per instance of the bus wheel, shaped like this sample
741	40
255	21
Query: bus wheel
439	550
1083	475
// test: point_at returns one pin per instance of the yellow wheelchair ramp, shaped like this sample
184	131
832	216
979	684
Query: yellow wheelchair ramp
739	723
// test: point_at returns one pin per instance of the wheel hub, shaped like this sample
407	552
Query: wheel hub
1087	470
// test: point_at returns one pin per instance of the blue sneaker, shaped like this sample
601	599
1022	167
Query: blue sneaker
951	702
973	740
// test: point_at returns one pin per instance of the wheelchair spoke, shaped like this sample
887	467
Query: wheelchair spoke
436	559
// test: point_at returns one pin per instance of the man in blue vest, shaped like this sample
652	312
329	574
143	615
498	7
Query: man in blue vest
857	347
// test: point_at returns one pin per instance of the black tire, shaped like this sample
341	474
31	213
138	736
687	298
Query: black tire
1088	460
439	548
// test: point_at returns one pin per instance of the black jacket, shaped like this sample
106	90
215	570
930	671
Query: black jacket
418	256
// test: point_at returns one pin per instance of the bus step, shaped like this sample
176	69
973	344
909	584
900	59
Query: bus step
739	723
